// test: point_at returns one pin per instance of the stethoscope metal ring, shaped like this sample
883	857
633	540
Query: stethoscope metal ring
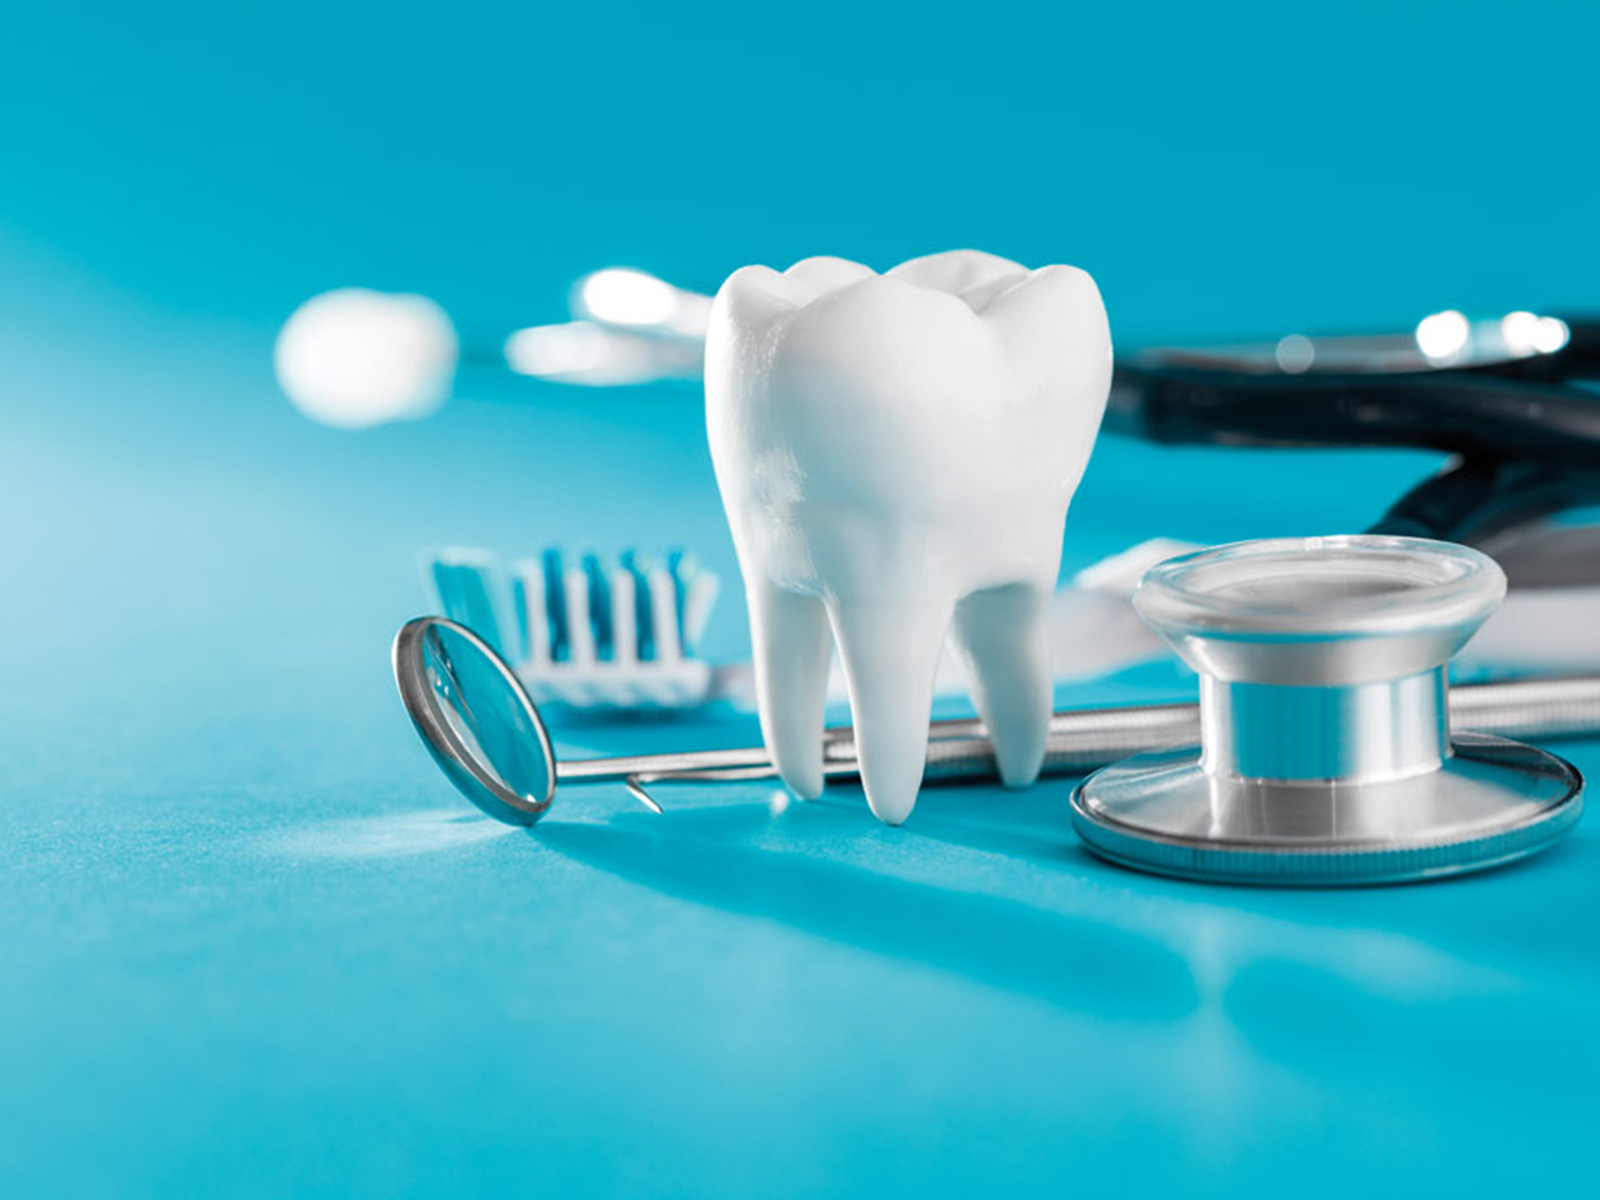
1326	755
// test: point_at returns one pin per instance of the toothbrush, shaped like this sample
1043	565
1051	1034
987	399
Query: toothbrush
589	632
622	635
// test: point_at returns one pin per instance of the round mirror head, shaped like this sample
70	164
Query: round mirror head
476	720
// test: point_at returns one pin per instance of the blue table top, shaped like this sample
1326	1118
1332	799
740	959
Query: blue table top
255	943
251	943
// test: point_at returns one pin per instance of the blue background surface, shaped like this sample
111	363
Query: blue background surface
251	942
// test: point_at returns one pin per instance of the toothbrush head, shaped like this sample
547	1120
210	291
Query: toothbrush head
355	357
588	632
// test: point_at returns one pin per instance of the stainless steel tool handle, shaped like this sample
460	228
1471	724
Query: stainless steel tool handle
1083	739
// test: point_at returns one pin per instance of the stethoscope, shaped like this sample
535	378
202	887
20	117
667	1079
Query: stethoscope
1327	746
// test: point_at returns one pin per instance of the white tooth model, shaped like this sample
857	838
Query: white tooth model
896	454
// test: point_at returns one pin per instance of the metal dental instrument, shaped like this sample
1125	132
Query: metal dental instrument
487	736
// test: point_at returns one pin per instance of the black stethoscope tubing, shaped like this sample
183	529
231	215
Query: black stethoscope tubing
1524	432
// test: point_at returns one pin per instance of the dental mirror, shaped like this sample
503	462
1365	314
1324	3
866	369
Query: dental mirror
476	719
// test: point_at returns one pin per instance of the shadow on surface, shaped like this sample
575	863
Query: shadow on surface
706	857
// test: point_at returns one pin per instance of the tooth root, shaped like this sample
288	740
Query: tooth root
789	632
890	653
1002	634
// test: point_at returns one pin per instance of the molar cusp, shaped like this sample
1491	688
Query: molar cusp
969	275
823	274
980	296
883	350
746	320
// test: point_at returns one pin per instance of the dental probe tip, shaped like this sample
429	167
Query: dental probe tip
636	790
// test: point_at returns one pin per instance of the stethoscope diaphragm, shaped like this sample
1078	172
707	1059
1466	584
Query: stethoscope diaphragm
1326	755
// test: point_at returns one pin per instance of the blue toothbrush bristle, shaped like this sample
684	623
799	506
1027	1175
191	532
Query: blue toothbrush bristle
553	620
681	567
600	607
519	607
644	618
555	606
463	588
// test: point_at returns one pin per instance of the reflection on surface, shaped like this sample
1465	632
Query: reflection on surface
389	835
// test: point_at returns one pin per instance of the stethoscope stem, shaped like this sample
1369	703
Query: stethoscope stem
1082	740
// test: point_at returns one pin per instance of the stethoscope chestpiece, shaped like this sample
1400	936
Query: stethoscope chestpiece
1326	754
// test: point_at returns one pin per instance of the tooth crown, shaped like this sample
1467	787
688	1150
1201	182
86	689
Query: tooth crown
892	447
